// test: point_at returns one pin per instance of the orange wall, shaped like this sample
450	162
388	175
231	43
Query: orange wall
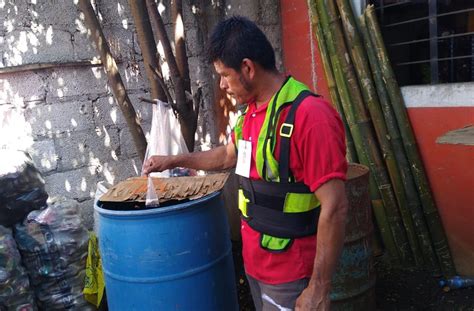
450	168
301	56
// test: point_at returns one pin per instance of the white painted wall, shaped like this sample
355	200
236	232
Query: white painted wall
439	95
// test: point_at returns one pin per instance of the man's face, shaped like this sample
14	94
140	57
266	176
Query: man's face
234	83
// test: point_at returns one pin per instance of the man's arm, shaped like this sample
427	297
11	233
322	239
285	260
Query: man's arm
219	158
330	239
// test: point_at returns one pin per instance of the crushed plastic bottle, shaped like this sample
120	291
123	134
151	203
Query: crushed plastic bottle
456	282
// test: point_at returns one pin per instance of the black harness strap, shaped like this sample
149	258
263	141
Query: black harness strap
282	225
286	131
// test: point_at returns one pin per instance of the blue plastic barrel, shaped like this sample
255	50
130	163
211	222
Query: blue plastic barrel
170	258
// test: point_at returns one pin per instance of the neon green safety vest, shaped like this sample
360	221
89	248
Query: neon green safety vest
276	206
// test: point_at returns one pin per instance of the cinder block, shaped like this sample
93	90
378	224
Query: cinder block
273	34
22	87
62	13
107	112
44	155
75	184
67	82
83	46
248	8
26	46
120	42
133	75
113	172
79	149
270	12
86	212
59	117
115	12
127	147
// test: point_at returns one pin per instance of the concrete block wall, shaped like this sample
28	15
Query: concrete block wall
74	130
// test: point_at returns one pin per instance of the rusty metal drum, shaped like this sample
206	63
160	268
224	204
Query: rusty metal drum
354	280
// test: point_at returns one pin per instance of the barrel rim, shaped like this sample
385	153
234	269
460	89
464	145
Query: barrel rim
158	210
357	170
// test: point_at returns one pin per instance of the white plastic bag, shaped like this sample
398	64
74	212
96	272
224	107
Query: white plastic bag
152	199
165	135
101	190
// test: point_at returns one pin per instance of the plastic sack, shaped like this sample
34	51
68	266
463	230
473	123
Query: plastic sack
21	187
15	292
100	190
53	244
165	138
94	284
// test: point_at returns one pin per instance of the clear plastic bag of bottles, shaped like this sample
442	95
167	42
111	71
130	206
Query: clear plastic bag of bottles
15	291
53	244
21	187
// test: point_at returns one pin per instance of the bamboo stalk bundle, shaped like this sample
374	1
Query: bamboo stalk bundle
359	124
369	94
414	203
431	214
377	204
350	148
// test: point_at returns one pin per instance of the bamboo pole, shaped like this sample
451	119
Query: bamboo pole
431	214
360	127
147	45
351	153
113	75
369	94
414	203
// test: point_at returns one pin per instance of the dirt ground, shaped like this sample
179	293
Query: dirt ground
396	289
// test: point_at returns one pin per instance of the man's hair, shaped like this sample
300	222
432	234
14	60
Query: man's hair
237	38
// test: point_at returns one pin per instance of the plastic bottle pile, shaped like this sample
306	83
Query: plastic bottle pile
21	187
53	245
49	241
15	291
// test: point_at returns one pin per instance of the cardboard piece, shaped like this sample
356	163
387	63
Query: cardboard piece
174	188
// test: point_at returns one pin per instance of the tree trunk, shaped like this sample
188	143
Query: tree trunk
115	81
185	106
179	42
147	46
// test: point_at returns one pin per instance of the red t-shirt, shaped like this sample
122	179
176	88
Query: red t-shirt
317	154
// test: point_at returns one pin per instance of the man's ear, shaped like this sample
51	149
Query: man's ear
247	68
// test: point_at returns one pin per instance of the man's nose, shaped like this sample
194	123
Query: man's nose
223	84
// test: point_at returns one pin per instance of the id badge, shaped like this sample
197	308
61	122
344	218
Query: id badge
244	156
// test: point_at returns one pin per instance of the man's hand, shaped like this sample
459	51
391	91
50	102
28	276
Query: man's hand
313	298
157	164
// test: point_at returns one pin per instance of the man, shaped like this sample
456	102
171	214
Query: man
292	167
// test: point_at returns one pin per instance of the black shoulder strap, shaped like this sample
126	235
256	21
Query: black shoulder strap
286	130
